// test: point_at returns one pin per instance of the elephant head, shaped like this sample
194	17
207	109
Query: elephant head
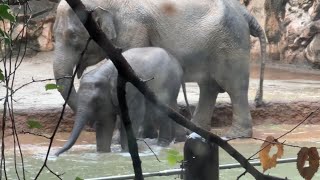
94	107
71	39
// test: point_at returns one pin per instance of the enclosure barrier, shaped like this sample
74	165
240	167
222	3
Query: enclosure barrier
179	171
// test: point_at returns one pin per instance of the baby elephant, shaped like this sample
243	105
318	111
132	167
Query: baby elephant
98	103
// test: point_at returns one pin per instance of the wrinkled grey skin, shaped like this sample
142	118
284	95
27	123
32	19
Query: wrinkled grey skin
98	102
210	39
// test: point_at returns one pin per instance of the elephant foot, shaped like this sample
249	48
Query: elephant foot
116	137
163	142
180	138
150	134
103	150
124	148
236	132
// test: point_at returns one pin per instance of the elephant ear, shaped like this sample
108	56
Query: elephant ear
104	18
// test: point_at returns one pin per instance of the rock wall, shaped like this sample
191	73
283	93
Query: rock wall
299	31
39	16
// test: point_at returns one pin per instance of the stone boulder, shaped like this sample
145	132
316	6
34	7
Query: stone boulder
312	52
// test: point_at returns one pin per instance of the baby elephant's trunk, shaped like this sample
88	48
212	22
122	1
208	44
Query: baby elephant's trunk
79	124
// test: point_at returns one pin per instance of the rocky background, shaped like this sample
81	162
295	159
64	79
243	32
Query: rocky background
292	28
33	26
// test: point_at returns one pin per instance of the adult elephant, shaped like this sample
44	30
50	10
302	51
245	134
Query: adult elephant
210	39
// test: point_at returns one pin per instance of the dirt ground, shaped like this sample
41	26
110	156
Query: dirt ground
290	94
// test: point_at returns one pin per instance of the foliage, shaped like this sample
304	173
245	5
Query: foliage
305	154
77	178
33	124
53	86
6	14
268	162
311	155
173	157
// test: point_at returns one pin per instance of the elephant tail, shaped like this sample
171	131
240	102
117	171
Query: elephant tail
79	124
257	31
183	85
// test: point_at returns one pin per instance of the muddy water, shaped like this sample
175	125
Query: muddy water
82	160
285	72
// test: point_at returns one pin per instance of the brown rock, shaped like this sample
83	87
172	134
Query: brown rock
38	33
312	52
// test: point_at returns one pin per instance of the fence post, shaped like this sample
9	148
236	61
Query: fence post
201	159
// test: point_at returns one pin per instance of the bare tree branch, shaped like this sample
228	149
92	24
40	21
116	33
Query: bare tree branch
132	142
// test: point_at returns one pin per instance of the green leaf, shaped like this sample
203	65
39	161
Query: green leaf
33	124
53	86
173	157
77	178
1	76
5	36
5	13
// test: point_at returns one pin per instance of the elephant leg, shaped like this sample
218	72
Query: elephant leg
116	132
156	118
137	110
165	131
179	132
236	83
149	127
104	131
241	119
167	126
209	91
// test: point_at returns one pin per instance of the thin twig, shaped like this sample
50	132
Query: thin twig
242	174
285	133
150	149
299	124
36	134
57	175
283	143
35	81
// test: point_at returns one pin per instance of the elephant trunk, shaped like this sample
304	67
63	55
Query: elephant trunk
80	122
63	65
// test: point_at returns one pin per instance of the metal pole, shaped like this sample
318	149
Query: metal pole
179	171
201	159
